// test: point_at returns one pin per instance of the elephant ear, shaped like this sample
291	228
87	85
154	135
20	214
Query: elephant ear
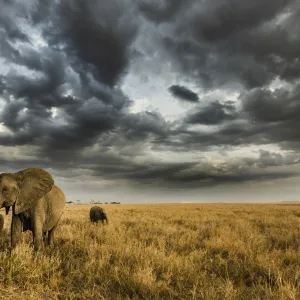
34	183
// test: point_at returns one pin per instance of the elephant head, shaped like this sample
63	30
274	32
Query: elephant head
22	189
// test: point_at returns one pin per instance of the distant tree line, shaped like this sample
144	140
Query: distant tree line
94	202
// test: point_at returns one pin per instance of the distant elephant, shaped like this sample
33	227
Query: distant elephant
1	223
37	204
98	214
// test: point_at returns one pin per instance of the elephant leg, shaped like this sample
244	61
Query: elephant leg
16	230
44	236
37	233
51	236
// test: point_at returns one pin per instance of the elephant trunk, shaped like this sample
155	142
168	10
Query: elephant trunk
3	204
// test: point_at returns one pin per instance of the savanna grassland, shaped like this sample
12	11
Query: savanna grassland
161	251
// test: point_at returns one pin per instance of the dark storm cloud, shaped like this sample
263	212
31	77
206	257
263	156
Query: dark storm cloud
275	114
66	98
220	43
183	93
140	125
213	114
186	174
280	105
162	10
264	116
267	158
231	133
108	165
220	19
11	30
95	33
64	107
37	87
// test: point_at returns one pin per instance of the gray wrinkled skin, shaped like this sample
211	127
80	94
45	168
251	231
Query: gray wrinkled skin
37	204
98	214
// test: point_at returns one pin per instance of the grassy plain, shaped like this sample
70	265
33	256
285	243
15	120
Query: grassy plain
161	251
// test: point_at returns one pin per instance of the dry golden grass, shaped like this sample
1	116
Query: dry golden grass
161	251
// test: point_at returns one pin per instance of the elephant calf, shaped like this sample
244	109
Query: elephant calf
98	214
1	222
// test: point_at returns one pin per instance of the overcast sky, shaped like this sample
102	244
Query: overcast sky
153	100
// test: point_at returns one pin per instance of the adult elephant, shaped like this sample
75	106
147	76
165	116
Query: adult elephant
37	204
98	214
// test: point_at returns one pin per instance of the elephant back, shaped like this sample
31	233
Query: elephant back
97	213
